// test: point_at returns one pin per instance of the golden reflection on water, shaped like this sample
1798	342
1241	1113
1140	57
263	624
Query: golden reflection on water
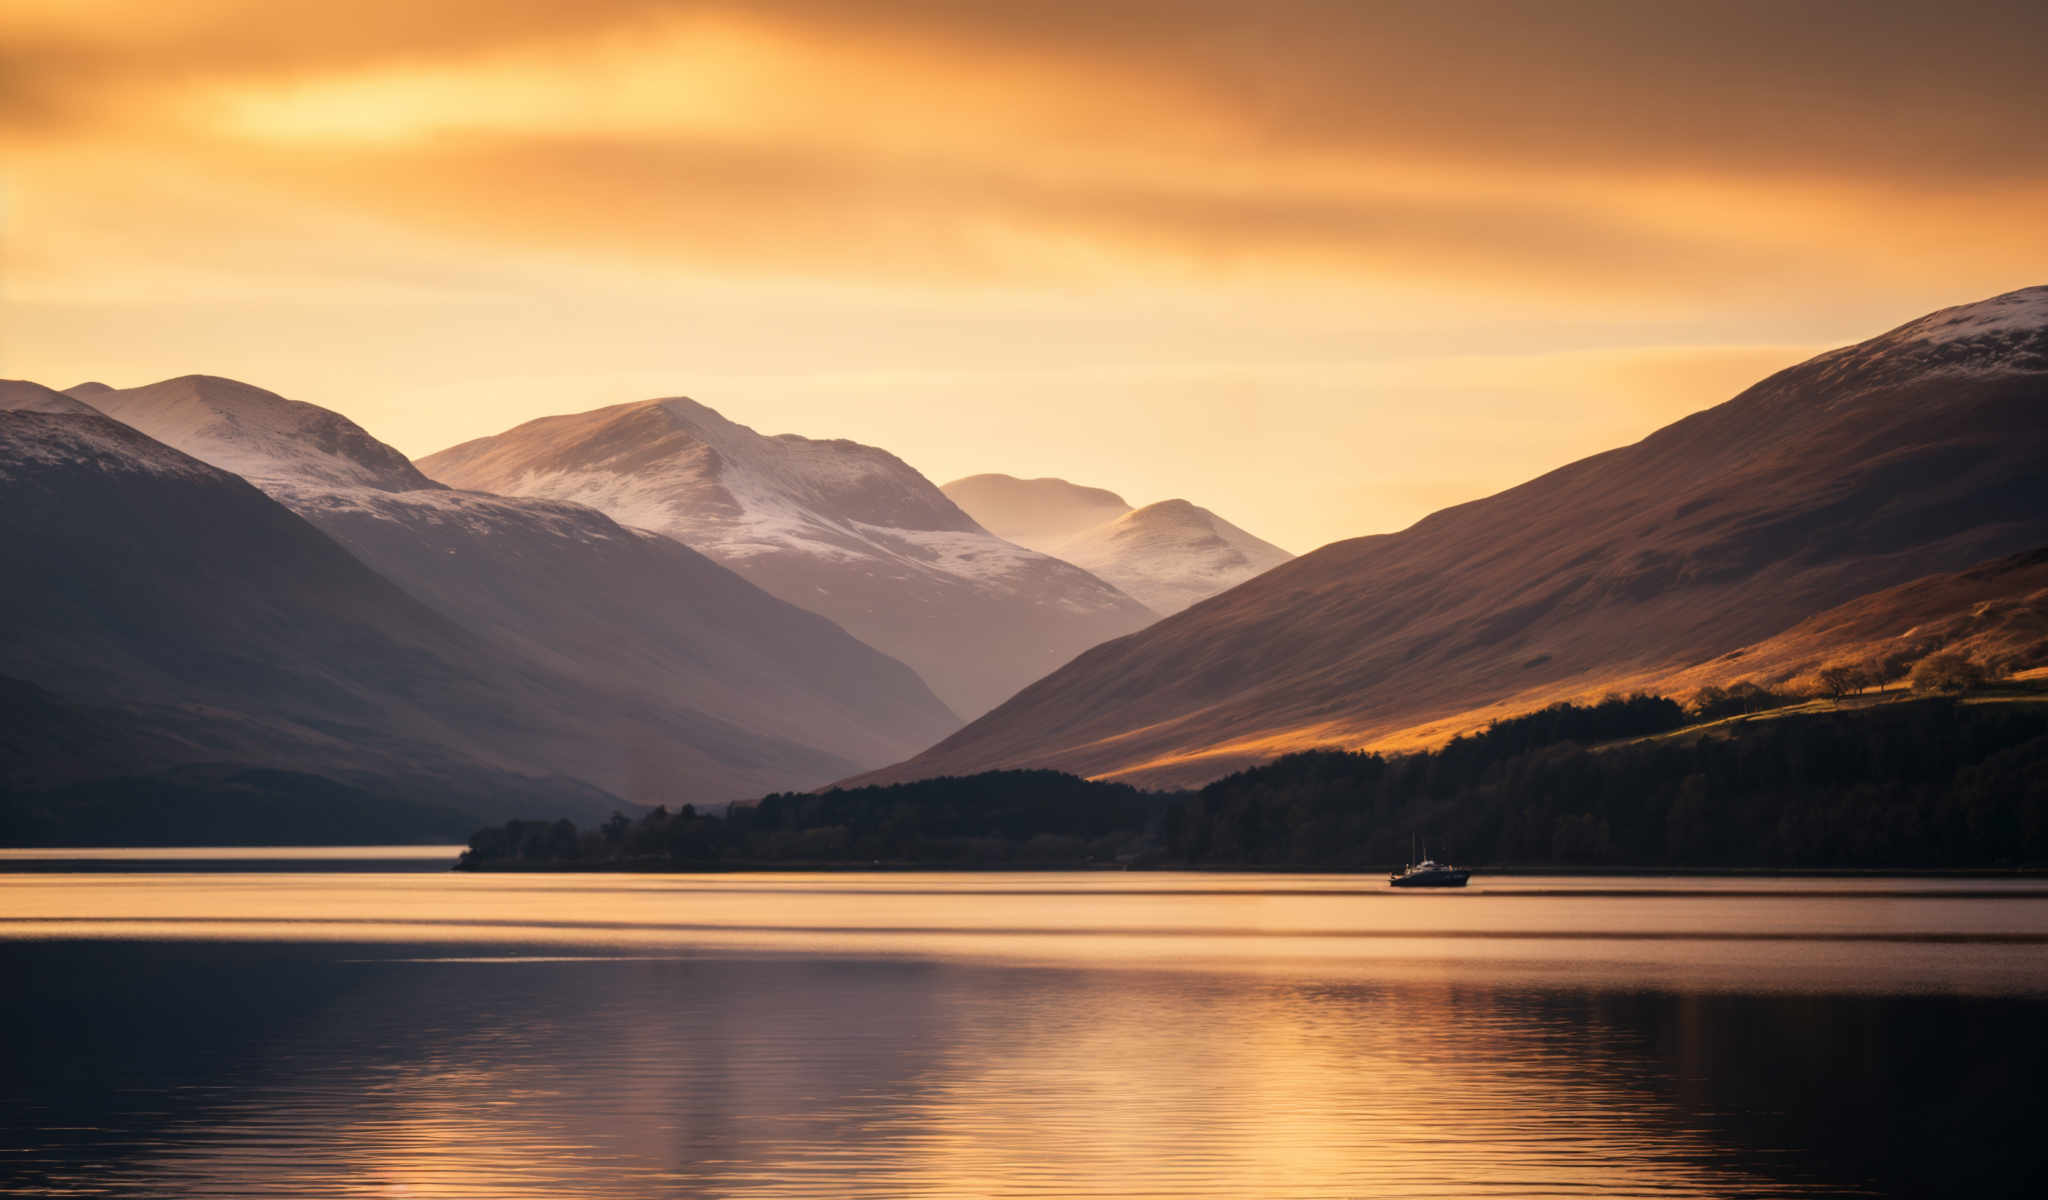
1890	935
340	1034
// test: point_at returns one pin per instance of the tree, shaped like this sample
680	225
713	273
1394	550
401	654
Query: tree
1947	671
1842	678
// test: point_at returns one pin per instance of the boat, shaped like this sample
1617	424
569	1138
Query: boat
1428	873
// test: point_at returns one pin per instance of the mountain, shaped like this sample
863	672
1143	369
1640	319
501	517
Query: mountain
845	530
636	664
259	435
19	395
162	613
1914	453
1166	555
1039	513
1171	554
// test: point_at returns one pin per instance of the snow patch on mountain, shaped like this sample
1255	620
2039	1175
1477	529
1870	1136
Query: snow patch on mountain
30	438
1172	554
260	435
1166	555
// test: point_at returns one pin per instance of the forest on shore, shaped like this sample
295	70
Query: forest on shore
1741	778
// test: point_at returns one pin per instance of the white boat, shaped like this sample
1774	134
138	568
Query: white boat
1428	873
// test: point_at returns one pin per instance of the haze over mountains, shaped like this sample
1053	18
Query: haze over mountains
1168	555
563	643
1914	453
845	530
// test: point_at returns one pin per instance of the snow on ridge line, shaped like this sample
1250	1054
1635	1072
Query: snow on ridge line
91	440
2018	311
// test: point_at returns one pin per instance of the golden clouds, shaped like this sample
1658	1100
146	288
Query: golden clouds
1650	149
1145	186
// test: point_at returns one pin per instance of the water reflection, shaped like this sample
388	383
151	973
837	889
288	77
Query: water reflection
588	1064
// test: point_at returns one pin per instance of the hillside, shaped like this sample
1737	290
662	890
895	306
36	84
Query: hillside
1914	453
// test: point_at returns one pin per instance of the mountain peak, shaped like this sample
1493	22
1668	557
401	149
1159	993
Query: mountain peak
1039	513
21	395
847	530
2024	311
260	435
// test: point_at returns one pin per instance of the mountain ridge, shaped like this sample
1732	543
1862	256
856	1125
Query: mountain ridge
1911	453
672	677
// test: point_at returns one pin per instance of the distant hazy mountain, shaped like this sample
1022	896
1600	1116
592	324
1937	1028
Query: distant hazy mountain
1171	554
1917	452
1039	513
639	665
845	530
1166	555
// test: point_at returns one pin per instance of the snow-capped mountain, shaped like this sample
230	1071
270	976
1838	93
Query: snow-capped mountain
1171	554
672	679
258	435
1166	555
1917	452
846	530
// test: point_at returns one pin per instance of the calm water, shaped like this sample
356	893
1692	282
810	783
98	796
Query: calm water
220	1025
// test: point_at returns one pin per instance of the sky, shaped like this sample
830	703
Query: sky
1323	267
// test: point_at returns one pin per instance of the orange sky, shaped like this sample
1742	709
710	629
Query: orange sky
1323	267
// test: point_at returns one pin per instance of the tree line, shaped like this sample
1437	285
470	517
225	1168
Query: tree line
1934	782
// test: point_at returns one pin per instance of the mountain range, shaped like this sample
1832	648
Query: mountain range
328	608
218	593
1912	454
1166	555
848	531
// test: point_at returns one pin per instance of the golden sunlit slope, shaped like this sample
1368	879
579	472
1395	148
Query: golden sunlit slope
1996	613
1916	452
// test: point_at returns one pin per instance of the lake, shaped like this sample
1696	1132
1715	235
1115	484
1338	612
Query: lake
360	1023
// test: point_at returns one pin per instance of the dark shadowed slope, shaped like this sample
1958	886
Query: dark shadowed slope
845	530
166	612
658	674
1916	452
